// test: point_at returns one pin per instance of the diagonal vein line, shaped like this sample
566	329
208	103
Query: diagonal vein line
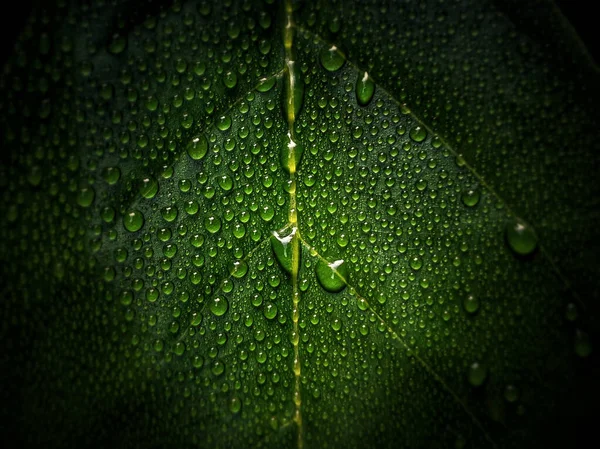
395	335
545	253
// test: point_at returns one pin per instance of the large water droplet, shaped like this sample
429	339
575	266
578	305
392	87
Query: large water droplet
85	196
471	304
521	237
219	306
332	275
470	197
332	59
133	220
477	374
365	88
282	248
198	147
290	153
149	187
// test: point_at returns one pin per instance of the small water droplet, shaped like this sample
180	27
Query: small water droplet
133	220
290	147
282	248
471	304
418	134
85	196
219	306
212	224
332	59
238	269
470	197
583	345
521	237
198	147
511	393
149	187
365	88
332	273
477	374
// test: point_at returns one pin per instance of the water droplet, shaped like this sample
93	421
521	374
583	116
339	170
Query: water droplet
133	220
471	304
235	405
477	374
521	237
198	147
418	134
416	263
230	80
583	345
238	269
511	393
290	147
224	122
149	187
226	182
212	224
267	213
282	248
218	306
169	213
332	275
85	196
266	84
332	59
111	175
470	197
365	88
117	44
270	311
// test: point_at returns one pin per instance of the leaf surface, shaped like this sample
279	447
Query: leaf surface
253	224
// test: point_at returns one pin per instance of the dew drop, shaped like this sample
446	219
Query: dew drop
471	304
235	405
477	374
149	187
470	197
270	311
266	84
111	175
332	59
267	213
418	134
85	196
583	345
365	88
224	122
332	275
212	224
219	306
282	248
198	147
117	44
511	393
238	269
133	220
290	147
521	237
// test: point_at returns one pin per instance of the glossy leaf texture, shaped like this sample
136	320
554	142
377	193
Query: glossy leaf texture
314	224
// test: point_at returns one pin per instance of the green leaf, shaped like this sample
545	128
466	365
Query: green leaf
298	224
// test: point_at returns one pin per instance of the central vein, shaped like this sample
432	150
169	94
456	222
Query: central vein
291	110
